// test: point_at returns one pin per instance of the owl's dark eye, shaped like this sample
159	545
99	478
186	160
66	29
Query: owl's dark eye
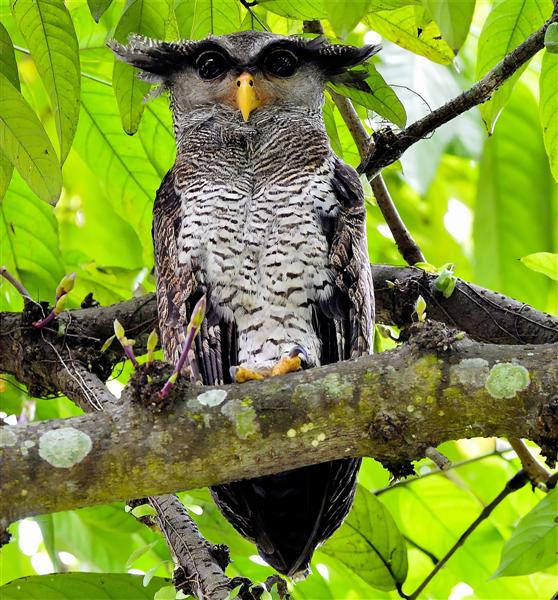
211	64
281	63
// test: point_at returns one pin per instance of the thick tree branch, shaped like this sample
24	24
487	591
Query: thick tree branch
391	406
388	146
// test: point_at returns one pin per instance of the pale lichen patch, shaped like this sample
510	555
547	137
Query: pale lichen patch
64	447
305	427
471	372
7	437
291	433
212	397
506	379
243	416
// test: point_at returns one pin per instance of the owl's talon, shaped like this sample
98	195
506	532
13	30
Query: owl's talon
288	364
242	374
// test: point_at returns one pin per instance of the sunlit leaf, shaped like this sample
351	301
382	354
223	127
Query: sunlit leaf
533	545
400	26
8	68
24	142
156	135
542	262
382	99
376	5
49	32
184	13
345	14
98	8
215	18
453	18
297	9
513	212
509	23
548	107
69	586
370	544
118	160
145	17
551	38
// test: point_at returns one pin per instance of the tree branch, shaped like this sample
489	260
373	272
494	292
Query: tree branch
391	406
388	146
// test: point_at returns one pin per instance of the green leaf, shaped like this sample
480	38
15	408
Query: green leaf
49	33
184	13
217	18
400	26
344	15
533	545
542	262
296	9
46	525
146	17
24	142
98	7
383	100
8	68
156	135
548	108
117	160
140	552
509	23
376	5
513	215
551	38
370	544
167	592
69	586
453	18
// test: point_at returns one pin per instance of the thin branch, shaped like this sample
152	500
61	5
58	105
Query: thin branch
388	146
514	484
534	470
17	284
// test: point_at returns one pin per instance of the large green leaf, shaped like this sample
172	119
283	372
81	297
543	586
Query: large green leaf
98	7
29	243
344	15
297	9
370	544
184	13
69	586
533	545
217	18
403	27
146	17
453	18
383	100
117	160
8	68
509	23
156	135
49	32
513	216
548	107
25	143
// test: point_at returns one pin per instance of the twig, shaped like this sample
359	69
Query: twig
441	461
17	284
514	484
389	146
535	471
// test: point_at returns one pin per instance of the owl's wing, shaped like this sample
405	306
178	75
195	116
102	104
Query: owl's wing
178	290
345	322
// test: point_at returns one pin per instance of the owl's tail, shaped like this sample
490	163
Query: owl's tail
288	514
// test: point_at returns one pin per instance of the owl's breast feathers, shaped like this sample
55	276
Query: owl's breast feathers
270	225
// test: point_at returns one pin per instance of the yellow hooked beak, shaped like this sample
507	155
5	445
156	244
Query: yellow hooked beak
246	98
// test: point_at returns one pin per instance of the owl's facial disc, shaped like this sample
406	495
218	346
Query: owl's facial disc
246	95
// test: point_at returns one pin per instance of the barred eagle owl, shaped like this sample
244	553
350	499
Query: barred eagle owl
261	216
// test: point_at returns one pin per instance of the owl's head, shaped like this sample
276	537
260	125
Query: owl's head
245	70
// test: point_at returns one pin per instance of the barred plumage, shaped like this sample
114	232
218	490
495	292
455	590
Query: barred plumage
263	218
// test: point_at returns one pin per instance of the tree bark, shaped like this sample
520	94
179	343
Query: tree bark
391	406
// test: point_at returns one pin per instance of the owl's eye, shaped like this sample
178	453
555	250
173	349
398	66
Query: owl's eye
281	63
211	64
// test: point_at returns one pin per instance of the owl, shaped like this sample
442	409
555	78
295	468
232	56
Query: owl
260	216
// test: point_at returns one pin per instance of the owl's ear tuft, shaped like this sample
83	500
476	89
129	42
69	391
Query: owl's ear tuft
336	59
156	60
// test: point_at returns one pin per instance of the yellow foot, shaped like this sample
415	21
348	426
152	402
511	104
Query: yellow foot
287	364
243	374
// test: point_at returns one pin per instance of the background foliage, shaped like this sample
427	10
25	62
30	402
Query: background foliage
89	155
